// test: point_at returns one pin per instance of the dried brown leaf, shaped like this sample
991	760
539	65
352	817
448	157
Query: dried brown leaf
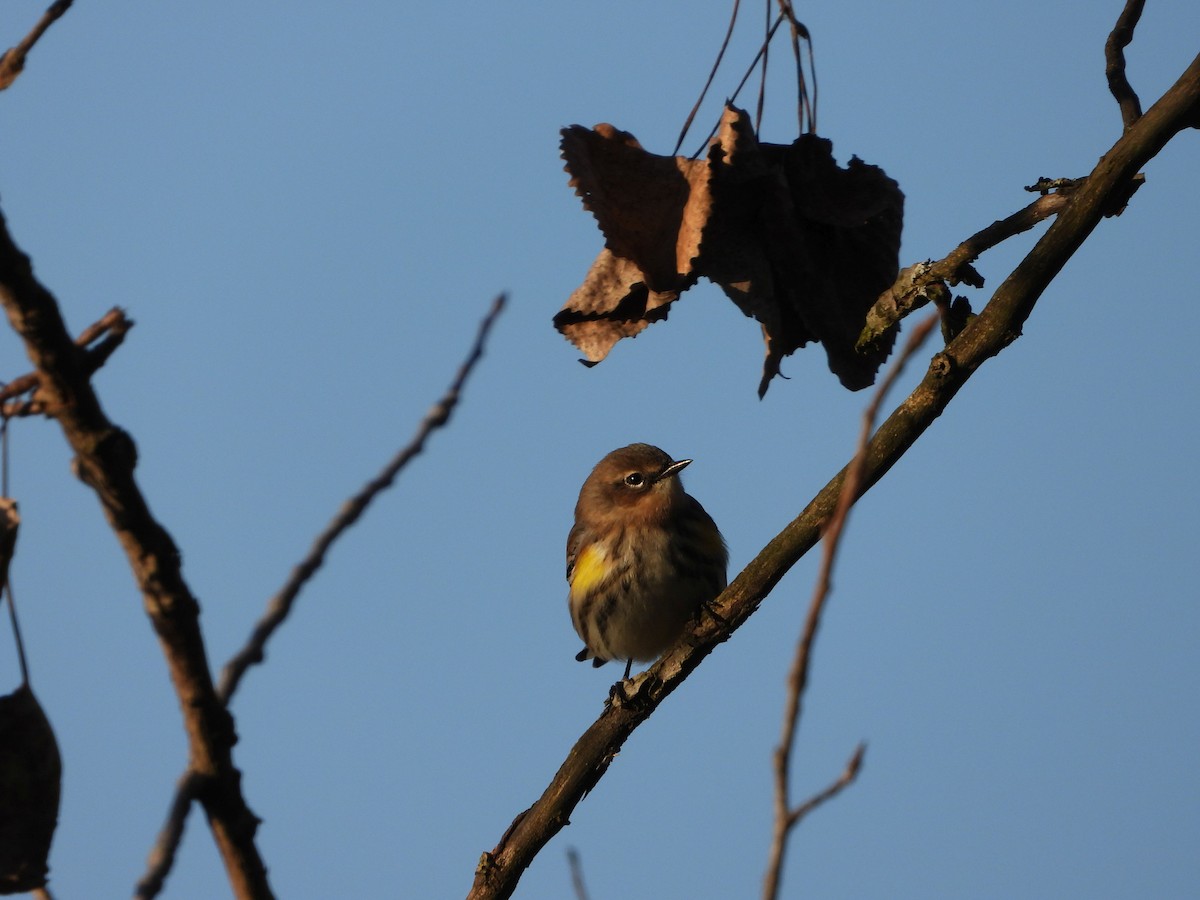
30	780
837	250
798	243
639	199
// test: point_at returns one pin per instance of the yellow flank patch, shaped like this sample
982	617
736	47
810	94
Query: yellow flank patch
591	565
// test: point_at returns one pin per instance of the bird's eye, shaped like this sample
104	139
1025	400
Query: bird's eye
635	479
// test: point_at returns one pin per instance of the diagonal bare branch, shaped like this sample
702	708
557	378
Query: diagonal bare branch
281	604
162	856
105	458
996	326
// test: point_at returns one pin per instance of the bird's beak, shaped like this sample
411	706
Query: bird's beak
673	469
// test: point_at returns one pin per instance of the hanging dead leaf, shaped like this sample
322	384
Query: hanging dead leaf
840	251
800	244
30	779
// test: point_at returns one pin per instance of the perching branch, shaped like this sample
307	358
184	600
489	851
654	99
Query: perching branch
162	856
997	325
105	457
786	816
13	61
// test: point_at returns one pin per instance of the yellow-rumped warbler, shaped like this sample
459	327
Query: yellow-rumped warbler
642	557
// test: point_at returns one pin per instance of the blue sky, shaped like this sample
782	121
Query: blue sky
307	208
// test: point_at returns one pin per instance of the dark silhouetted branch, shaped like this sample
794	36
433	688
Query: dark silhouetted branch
162	857
105	458
281	604
997	325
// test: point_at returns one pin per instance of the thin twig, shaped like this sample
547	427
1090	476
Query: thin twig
805	109
762	78
711	75
162	856
576	874
799	32
786	818
843	781
281	604
13	60
741	84
1114	62
911	289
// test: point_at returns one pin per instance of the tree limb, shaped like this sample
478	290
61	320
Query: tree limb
997	325
105	457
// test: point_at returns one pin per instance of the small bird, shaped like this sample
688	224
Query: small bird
642	558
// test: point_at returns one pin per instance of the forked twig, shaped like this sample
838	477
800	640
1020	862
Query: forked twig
762	78
786	817
107	333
